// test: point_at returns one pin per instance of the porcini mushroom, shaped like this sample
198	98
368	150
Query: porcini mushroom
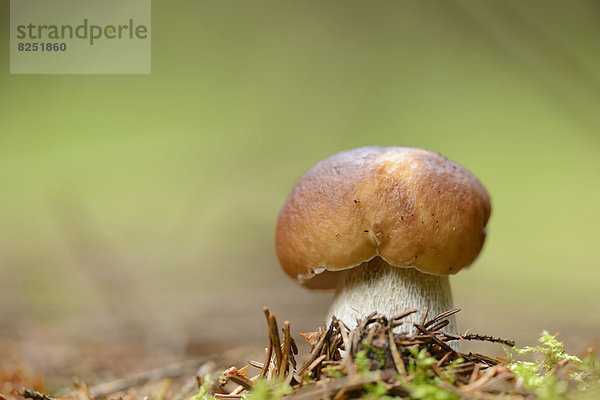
384	227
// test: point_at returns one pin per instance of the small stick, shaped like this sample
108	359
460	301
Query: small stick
404	314
438	371
267	363
519	385
466	366
336	344
369	318
82	391
443	315
294	347
354	338
395	355
34	395
481	381
504	376
450	336
440	325
274	332
592	356
486	338
265	368
286	349
256	364
240	388
394	323
558	366
347	359
365	322
313	365
424	316
437	341
444	358
294	353
371	334
475	373
411	342
340	394
240	380
227	396
480	357
314	353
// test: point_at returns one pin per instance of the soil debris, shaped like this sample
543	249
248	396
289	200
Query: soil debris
377	359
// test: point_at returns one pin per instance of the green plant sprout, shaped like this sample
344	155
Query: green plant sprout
263	391
376	391
332	372
424	385
361	361
205	390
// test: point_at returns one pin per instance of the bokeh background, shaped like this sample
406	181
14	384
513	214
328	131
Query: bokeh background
137	212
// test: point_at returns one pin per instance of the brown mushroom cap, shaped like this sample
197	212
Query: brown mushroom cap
411	207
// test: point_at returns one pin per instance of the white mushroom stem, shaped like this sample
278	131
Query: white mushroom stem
378	286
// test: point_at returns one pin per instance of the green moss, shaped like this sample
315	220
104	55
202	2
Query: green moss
376	391
332	372
425	383
552	349
538	375
362	361
205	392
308	378
263	391
379	353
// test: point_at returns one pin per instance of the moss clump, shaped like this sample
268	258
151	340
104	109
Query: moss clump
555	375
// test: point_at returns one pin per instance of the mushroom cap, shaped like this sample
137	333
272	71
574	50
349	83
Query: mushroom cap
411	207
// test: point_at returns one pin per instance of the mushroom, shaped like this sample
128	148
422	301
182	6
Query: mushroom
384	227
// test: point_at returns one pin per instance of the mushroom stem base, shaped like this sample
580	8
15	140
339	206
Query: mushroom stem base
378	286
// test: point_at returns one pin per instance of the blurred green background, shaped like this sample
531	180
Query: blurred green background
142	208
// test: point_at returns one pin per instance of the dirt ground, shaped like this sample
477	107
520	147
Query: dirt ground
226	327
